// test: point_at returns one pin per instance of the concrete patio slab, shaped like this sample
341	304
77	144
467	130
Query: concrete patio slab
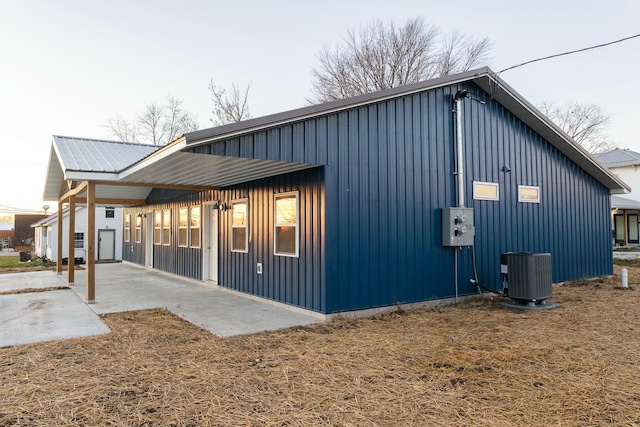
52	315
46	316
32	279
125	287
626	255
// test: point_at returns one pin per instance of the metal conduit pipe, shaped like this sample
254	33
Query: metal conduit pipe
459	173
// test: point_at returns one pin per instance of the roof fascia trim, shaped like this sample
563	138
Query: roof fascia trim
574	149
91	176
206	136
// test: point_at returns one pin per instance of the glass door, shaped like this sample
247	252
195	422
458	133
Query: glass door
632	228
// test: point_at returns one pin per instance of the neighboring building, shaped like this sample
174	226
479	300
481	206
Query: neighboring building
625	211
23	233
6	234
108	235
339	207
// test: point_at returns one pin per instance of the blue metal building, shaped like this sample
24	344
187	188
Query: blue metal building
338	207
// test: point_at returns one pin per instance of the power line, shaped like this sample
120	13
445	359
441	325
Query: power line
569	53
12	210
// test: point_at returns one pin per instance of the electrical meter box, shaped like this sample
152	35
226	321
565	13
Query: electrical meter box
457	227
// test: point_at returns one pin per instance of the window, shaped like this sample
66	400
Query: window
138	231
286	224
127	228
182	226
528	194
157	227
78	240
239	235
109	212
485	190
166	227
195	227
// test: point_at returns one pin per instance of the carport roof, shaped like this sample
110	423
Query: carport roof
125	173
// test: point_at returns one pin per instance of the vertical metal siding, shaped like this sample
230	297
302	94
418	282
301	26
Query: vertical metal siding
296	281
571	220
388	170
170	258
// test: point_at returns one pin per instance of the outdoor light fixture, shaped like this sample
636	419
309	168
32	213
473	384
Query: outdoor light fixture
223	207
461	94
506	169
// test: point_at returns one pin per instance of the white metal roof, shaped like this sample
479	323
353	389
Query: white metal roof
618	157
95	155
76	159
618	202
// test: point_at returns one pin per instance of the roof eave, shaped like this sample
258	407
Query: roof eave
525	111
205	136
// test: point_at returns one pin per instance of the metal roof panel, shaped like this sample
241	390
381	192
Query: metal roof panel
618	157
95	155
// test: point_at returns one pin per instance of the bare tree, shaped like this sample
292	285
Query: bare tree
122	128
177	121
158	124
229	107
382	56
150	123
585	123
461	53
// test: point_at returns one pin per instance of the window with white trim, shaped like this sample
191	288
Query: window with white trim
127	228
194	226
78	240
183	227
138	230
157	227
287	239
239	226
166	227
486	190
528	194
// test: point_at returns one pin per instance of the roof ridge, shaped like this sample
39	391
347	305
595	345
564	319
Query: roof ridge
109	141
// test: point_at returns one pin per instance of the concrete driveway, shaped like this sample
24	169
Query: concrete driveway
43	316
125	287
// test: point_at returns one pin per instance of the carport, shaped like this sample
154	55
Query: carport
96	172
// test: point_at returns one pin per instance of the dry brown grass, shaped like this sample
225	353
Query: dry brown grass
474	364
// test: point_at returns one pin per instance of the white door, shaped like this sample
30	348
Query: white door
210	244
106	245
148	240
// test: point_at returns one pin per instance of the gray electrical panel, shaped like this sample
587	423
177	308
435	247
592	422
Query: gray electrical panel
457	227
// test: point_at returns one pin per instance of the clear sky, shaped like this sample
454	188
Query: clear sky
66	66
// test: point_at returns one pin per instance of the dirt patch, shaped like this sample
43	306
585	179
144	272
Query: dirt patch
474	364
31	290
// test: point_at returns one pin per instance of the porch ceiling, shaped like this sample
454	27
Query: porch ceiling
191	169
180	170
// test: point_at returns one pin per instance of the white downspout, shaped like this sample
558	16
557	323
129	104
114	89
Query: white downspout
459	173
